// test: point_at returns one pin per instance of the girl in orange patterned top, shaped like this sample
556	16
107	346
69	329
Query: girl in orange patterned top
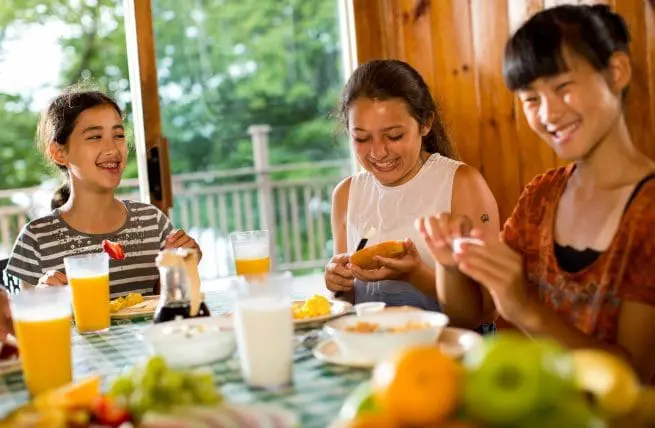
575	261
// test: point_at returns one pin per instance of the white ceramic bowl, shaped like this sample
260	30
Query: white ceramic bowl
369	307
378	345
193	341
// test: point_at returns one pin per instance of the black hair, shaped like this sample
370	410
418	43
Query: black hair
384	79
535	50
58	121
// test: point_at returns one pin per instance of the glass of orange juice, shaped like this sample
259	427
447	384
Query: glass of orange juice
251	252
88	277
42	321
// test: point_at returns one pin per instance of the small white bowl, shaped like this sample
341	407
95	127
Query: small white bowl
457	243
378	345
192	341
369	307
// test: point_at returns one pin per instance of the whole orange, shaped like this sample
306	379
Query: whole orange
419	386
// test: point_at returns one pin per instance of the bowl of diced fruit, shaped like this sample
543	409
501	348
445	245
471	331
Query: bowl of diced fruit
374	336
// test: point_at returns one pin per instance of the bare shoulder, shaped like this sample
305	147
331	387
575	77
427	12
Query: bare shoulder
468	179
341	191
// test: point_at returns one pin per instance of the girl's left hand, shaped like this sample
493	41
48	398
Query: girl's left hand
499	269
399	268
180	239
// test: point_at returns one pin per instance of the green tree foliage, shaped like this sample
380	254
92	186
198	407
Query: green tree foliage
223	65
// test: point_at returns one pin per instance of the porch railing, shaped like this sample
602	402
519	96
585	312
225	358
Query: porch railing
292	201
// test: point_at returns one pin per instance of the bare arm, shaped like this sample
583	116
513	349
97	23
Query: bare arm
337	279
465	302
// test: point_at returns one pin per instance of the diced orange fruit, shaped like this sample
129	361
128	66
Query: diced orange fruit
74	395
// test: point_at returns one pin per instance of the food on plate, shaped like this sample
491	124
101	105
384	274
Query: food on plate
510	381
419	386
123	302
365	258
315	306
113	249
369	327
608	378
77	404
515	377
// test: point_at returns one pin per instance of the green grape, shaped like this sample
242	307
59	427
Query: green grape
122	387
156	366
172	381
185	398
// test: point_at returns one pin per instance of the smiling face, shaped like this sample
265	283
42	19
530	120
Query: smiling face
96	151
574	111
386	139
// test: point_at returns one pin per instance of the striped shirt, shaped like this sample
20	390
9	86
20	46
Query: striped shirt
43	243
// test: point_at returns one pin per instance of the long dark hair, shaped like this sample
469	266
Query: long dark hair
57	123
536	48
384	79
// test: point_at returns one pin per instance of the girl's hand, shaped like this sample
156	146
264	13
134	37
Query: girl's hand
391	268
180	239
499	269
338	276
439	232
52	278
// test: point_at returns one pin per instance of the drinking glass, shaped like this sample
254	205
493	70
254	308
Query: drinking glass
264	329
42	321
251	252
88	277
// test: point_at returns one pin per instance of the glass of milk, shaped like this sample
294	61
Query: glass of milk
264	330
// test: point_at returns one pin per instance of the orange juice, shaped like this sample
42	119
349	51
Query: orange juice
253	266
45	352
91	303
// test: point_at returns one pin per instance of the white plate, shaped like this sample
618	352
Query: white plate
338	308
455	342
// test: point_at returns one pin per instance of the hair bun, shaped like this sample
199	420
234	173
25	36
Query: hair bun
615	24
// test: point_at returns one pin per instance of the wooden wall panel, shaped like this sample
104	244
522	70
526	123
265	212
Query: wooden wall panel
638	108
455	88
498	137
457	46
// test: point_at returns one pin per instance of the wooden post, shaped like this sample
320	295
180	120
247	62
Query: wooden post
259	135
151	146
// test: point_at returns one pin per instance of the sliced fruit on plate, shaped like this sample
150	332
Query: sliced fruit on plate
79	394
113	249
612	382
315	306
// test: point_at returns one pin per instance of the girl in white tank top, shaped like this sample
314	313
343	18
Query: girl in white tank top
392	211
410	173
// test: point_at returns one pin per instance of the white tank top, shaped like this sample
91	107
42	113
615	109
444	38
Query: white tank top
392	211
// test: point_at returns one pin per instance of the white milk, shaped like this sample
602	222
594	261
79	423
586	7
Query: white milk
264	332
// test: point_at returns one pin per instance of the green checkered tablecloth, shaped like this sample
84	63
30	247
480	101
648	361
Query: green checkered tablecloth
317	394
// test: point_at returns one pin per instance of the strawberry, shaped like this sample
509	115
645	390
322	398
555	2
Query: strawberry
114	249
107	413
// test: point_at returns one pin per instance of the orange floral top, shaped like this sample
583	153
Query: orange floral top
591	298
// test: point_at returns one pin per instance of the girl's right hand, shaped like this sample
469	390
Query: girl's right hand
439	231
52	278
338	276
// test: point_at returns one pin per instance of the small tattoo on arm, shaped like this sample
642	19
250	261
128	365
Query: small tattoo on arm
484	217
